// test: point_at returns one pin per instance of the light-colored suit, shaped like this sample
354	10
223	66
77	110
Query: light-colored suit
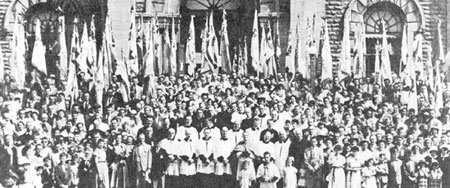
142	157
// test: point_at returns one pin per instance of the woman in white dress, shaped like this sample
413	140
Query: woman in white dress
336	176
290	174
353	168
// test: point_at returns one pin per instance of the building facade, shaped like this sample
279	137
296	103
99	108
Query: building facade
420	16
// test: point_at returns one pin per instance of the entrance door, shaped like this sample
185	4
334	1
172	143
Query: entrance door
394	54
393	18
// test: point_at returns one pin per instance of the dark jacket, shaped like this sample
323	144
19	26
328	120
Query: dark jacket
160	162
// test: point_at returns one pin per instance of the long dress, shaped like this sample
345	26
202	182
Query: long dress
369	179
119	167
336	176
102	168
290	177
354	175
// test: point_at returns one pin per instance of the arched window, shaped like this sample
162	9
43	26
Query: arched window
375	16
48	16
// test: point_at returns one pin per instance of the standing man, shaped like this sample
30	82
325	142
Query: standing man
282	152
171	146
142	158
205	163
395	169
314	160
222	153
187	156
160	162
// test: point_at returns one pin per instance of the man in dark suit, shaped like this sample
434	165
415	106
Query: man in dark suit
395	169
8	162
62	172
85	103
47	174
8	156
160	160
109	99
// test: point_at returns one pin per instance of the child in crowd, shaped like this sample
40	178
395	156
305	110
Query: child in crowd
434	179
301	178
382	171
422	174
246	176
289	174
37	182
368	174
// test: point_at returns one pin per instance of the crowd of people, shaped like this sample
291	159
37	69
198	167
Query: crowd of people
224	131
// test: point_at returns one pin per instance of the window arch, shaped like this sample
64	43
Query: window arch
391	15
410	11
48	16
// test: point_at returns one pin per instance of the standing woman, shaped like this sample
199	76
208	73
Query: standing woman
353	168
336	176
119	168
102	164
409	172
